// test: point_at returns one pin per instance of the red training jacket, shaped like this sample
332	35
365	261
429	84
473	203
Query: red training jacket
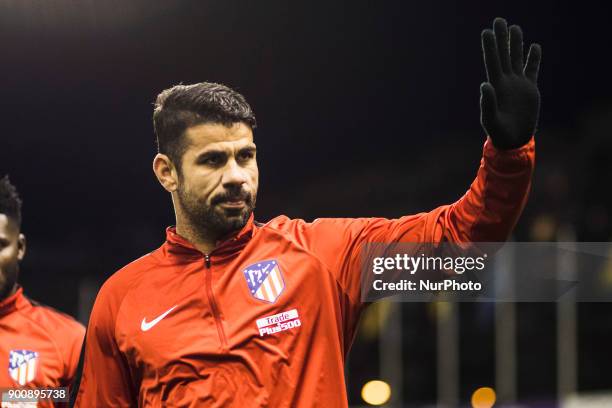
267	318
39	346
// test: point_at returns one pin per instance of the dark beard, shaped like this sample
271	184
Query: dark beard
8	279
212	219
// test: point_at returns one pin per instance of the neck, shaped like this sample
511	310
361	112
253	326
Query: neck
203	242
10	293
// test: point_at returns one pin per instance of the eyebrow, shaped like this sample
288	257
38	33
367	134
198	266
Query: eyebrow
211	152
248	148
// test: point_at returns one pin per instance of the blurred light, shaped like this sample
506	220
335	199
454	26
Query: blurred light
543	228
483	397
607	270
374	320
376	392
440	310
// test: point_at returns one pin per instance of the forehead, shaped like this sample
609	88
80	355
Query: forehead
215	135
7	227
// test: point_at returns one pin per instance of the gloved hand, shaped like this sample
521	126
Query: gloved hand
510	101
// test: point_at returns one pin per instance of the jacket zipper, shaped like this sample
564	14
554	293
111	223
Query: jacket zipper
213	304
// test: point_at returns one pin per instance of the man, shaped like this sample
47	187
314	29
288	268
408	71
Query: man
39	346
231	312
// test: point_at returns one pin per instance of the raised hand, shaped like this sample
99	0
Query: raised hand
510	100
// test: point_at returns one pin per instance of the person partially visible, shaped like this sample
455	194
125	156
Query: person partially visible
39	346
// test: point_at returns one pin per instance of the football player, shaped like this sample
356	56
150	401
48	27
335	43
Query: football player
39	346
230	312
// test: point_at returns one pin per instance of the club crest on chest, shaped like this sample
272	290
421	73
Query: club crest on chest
265	280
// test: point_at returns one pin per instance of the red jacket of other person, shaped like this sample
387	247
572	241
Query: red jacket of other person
39	347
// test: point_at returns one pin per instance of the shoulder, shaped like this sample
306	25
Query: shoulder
120	282
54	321
291	229
282	223
61	330
324	226
286	224
114	290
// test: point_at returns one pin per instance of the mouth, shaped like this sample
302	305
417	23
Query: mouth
233	204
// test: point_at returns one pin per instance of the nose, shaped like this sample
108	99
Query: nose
234	175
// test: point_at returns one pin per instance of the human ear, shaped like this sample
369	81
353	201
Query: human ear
165	171
21	247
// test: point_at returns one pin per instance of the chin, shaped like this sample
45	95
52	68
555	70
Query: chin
234	220
231	215
238	219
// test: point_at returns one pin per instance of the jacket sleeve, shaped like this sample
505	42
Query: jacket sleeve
106	379
73	352
487	212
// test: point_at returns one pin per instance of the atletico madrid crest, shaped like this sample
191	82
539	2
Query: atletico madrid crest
265	280
23	365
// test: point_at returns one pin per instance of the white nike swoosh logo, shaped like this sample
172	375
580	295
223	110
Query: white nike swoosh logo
144	325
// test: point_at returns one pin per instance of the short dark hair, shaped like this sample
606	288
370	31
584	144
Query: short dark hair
10	203
183	106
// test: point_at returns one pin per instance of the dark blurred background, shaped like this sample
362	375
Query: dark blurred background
364	109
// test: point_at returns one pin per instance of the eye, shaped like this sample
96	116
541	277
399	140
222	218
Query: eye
246	155
213	159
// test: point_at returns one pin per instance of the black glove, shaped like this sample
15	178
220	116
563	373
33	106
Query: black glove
510	101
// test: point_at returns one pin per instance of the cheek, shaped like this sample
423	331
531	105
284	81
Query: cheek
8	257
254	177
200	184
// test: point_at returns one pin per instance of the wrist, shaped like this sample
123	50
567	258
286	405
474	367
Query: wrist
493	152
509	146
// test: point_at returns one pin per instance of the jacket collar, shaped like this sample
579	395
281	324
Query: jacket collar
231	243
14	302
